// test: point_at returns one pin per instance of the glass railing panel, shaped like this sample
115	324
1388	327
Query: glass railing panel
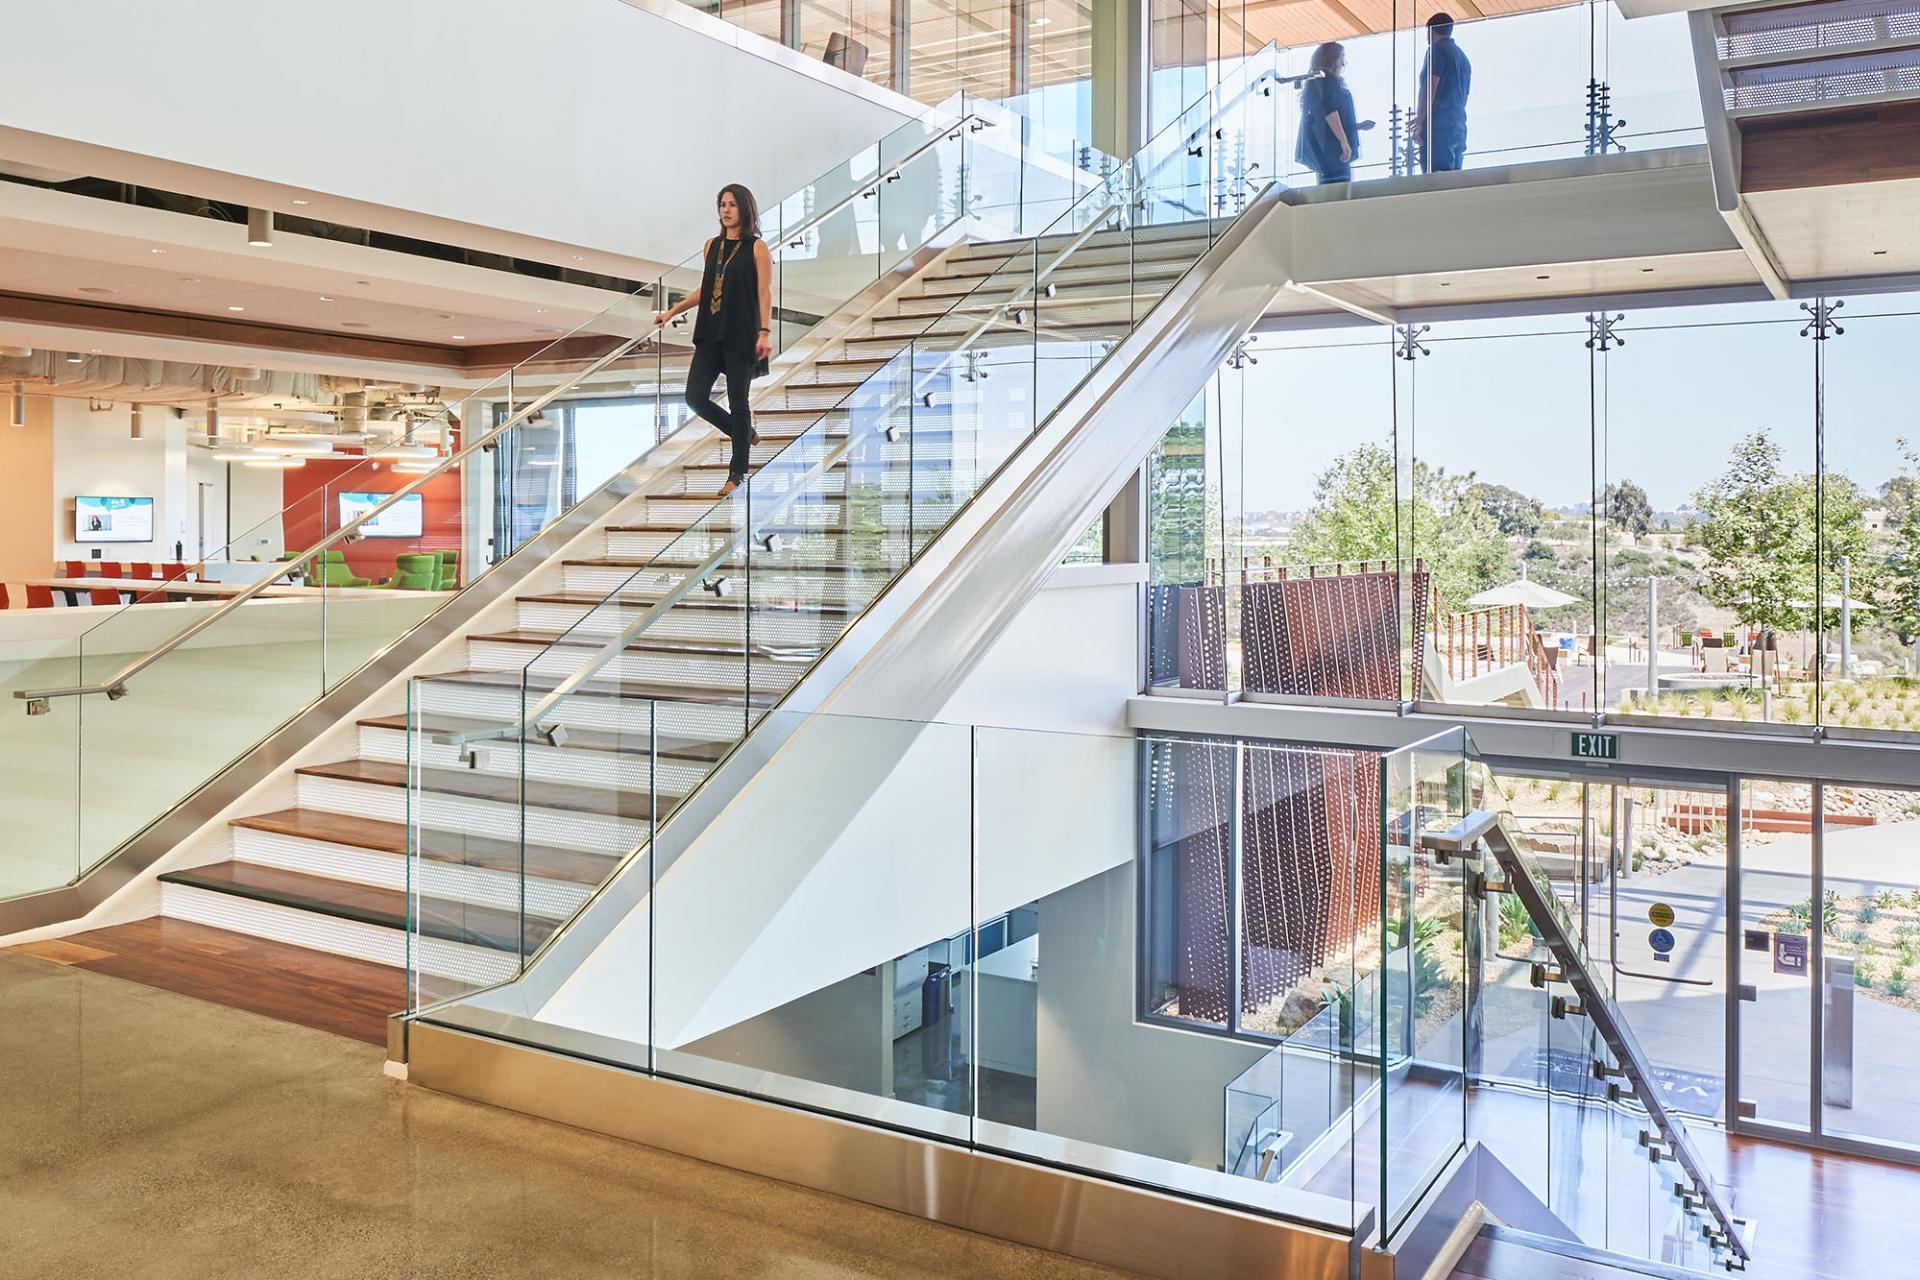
40	754
825	968
1426	927
1069	1071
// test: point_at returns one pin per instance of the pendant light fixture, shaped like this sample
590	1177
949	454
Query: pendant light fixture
260	228
19	403
137	427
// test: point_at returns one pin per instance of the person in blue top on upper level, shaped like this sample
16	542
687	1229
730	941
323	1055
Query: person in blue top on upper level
1329	131
1439	122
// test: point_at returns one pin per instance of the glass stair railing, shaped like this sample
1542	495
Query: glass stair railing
1620	1168
138	711
659	658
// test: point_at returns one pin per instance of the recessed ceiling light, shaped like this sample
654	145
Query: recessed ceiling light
303	202
325	298
1446	284
459	337
1542	277
236	308
539	311
94	288
156	251
1879	253
579	257
1646	271
363	283
353	324
189	279
445	316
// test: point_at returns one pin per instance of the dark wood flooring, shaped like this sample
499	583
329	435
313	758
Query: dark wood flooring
330	993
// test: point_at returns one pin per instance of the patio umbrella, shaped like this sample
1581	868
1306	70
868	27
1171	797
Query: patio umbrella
1524	591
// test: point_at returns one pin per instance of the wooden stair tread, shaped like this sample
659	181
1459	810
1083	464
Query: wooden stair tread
673	748
544	639
471	784
459	848
595	598
760	561
636	690
442	918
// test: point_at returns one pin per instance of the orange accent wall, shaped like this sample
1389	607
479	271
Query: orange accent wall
27	504
313	511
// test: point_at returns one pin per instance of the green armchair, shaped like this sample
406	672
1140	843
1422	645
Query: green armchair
449	571
335	573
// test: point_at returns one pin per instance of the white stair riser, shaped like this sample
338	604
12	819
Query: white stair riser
773	583
770	626
703	721
554	899
561	828
1119	307
628	769
683	511
766	670
478	965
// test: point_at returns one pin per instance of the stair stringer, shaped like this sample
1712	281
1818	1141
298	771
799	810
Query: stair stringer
903	659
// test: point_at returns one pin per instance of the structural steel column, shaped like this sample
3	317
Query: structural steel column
1120	50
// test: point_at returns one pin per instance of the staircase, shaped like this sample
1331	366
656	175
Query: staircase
330	871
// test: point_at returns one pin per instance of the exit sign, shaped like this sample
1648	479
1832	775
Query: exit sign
1596	746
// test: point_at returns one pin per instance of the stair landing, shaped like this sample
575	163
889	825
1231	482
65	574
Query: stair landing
347	997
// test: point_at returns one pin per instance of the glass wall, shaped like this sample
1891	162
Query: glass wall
1535	82
1701	515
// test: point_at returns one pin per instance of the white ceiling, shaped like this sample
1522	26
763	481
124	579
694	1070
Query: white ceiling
78	249
1822	233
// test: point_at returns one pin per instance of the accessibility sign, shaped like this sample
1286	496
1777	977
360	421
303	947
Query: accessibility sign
1661	940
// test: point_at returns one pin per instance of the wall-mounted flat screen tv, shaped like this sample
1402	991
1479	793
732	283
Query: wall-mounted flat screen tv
404	519
103	519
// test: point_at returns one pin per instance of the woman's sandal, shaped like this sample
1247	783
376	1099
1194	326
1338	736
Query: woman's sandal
729	486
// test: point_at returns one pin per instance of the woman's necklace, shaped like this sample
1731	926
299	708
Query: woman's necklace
720	276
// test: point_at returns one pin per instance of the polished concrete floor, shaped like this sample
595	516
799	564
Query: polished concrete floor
148	1134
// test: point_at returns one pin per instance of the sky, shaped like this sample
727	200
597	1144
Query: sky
1510	400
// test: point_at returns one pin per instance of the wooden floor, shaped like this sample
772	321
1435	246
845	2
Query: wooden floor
331	993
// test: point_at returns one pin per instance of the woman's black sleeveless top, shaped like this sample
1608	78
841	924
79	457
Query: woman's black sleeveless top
731	274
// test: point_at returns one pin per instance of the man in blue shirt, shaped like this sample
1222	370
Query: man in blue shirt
1440	115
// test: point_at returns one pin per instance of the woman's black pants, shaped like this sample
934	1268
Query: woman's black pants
710	360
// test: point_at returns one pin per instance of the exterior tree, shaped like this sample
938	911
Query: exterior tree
1357	515
1900	586
1517	515
1757	528
1627	507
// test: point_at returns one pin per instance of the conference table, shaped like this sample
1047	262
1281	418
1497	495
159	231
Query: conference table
180	588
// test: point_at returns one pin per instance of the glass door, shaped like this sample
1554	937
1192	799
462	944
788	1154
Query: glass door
1659	925
1778	944
1869	989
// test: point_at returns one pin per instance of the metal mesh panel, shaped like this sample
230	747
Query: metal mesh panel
1895	71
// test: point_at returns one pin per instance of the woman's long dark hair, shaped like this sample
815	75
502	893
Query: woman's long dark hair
749	209
1325	60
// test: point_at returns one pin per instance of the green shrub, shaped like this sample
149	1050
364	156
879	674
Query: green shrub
1864	976
1869	913
1896	984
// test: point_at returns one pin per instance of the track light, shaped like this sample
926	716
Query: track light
19	404
213	418
138	428
260	228
74	357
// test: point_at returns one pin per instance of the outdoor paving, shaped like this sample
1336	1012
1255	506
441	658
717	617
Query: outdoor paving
1682	1027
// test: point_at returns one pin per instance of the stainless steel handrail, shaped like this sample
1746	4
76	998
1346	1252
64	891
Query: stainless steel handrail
115	686
1119	193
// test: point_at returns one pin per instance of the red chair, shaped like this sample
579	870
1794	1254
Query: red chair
39	597
103	595
73	568
110	569
4	602
143	572
175	572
